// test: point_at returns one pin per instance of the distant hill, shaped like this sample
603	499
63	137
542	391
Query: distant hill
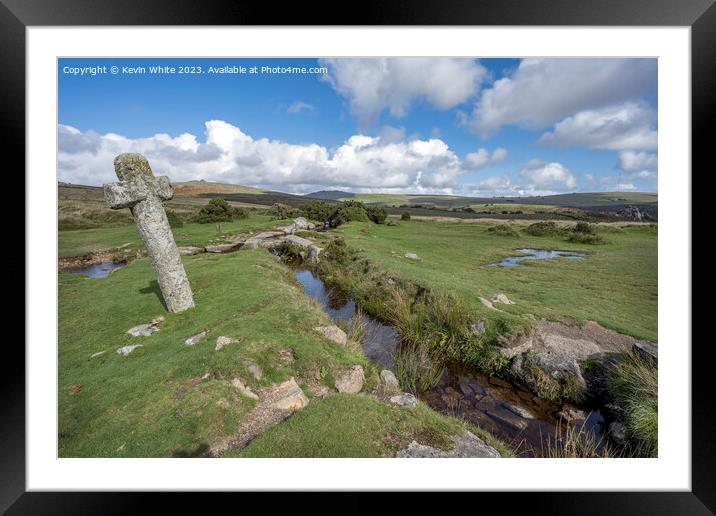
331	195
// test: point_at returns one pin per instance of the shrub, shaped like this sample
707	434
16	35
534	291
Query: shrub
634	381
584	227
218	210
585	238
174	220
405	216
348	211
282	211
377	214
502	230
317	210
336	251
543	229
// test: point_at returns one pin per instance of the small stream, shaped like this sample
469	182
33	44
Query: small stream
518	417
98	270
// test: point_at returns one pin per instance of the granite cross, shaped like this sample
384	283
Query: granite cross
143	194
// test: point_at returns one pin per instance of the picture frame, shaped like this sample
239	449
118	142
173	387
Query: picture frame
700	15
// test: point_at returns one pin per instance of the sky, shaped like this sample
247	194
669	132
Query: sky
481	127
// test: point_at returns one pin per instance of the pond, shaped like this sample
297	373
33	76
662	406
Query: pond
537	254
517	417
97	270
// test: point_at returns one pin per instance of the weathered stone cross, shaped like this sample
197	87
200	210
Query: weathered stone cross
143	194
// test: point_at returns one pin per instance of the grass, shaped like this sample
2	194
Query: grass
366	428
615	285
634	381
576	442
417	368
85	241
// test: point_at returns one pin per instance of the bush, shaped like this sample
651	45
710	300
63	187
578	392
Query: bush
502	230
348	211
543	229
405	216
585	228
218	210
377	214
317	210
282	211
174	220
634	381
585	238
336	251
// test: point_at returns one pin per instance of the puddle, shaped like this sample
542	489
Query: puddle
537	254
98	270
518	417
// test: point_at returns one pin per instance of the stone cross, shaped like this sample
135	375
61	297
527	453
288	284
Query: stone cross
143	194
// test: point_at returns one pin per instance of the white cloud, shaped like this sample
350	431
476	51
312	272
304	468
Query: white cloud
642	163
481	158
299	106
627	126
548	176
542	91
228	154
373	85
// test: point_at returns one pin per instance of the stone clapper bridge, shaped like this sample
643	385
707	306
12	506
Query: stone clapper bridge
143	194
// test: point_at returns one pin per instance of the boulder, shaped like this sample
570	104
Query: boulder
389	380
406	400
466	445
189	250
126	350
288	396
333	333
351	381
243	388
195	338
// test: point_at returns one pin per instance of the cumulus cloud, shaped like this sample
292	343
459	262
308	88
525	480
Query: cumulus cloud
298	106
481	158
548	176
373	85
627	126
642	163
228	154
542	91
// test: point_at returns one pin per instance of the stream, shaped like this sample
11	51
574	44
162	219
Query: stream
516	416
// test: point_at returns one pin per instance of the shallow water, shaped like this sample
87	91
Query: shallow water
98	270
538	254
490	403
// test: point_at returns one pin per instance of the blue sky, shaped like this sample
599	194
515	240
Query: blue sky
422	125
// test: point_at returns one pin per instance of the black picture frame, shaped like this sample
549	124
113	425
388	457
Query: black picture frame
700	15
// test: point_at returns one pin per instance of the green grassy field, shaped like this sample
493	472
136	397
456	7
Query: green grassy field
170	399
615	285
83	241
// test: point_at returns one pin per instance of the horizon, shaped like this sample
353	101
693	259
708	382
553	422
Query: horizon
411	126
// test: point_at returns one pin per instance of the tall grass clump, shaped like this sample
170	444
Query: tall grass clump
584	233
543	229
575	442
634	382
502	230
417	368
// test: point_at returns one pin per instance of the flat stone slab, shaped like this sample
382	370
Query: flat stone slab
223	248
194	339
189	250
467	445
126	350
507	417
222	341
145	330
287	396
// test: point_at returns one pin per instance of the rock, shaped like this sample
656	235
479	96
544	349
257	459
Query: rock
646	350
93	355
145	330
243	388
313	253
195	338
412	256
507	417
569	414
223	248
522	412
406	400
466	445
464	384
351	381
126	350
188	250
259	239
477	328
488	304
502	298
617	431
224	341
301	224
288	396
255	371
389	380
299	241
333	333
